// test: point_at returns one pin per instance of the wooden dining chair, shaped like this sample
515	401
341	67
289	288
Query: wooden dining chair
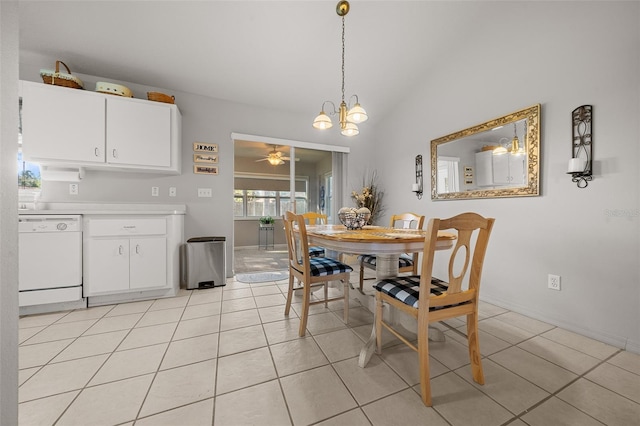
406	262
311	271
313	218
429	299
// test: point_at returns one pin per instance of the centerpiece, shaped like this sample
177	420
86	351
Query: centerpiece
369	197
354	218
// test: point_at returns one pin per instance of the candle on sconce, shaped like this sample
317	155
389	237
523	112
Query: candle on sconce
576	165
415	187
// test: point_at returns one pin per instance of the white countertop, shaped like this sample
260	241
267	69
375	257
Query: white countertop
106	208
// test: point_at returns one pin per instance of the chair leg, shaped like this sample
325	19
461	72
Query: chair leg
305	309
378	323
361	277
346	300
423	355
289	295
474	348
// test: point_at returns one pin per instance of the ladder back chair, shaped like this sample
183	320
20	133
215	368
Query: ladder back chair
406	262
313	218
311	271
429	299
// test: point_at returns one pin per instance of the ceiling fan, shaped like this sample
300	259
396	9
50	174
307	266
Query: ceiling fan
275	158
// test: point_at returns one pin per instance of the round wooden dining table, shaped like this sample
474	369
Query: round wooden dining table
386	243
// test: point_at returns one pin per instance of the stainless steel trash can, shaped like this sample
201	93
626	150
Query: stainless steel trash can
204	262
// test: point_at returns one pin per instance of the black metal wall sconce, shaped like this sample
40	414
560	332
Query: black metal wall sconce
417	187
581	163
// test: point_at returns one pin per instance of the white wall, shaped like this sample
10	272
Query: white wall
8	213
561	56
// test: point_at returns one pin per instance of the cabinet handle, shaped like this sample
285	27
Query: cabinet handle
114	153
96	151
137	248
120	250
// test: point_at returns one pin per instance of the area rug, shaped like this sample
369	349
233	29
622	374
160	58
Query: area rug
261	277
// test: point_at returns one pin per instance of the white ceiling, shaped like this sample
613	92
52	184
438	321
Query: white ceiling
283	55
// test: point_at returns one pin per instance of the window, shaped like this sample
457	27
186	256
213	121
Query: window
448	174
256	196
29	178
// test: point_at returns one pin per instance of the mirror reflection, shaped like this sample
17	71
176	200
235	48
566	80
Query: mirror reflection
498	158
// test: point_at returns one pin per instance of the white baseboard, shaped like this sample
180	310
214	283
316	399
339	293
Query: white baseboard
613	340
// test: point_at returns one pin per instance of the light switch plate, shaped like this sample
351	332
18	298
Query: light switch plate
204	192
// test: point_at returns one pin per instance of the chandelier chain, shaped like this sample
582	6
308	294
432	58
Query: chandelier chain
343	58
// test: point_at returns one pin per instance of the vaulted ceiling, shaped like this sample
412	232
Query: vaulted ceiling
284	55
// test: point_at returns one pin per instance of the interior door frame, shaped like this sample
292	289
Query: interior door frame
296	144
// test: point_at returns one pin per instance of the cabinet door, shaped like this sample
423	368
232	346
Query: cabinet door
138	133
148	267
501	169
484	168
62	124
106	266
517	169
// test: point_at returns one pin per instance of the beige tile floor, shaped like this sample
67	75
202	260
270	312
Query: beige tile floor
228	356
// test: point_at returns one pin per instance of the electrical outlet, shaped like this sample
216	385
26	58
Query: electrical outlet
155	191
205	192
73	188
553	282
172	191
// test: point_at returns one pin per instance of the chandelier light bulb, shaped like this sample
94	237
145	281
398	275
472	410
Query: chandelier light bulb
357	114
350	129
322	121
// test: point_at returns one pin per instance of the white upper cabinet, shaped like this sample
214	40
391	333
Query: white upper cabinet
508	169
57	124
138	133
71	127
502	169
484	168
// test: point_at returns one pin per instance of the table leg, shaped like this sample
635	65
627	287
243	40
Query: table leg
386	266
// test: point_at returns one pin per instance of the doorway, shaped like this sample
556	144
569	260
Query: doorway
272	176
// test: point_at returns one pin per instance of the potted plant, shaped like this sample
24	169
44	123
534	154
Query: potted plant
266	221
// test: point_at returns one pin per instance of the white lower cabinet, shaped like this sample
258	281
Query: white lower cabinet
125	255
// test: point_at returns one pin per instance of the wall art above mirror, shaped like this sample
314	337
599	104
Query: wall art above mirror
498	158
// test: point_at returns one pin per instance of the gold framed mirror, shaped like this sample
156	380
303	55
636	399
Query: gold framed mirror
498	158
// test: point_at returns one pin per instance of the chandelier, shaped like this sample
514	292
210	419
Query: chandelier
348	116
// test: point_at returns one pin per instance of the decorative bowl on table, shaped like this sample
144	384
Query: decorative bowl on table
354	218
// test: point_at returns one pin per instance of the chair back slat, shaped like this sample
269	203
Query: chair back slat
407	221
313	218
297	241
463	244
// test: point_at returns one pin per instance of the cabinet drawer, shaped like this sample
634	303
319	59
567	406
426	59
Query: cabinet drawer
123	227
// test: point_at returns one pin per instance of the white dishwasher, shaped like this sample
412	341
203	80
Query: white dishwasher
50	259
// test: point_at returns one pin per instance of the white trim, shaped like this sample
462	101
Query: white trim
289	142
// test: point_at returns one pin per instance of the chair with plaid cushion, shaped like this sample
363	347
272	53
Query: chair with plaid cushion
430	299
311	271
406	262
313	218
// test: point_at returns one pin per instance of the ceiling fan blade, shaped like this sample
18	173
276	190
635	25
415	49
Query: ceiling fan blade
262	159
